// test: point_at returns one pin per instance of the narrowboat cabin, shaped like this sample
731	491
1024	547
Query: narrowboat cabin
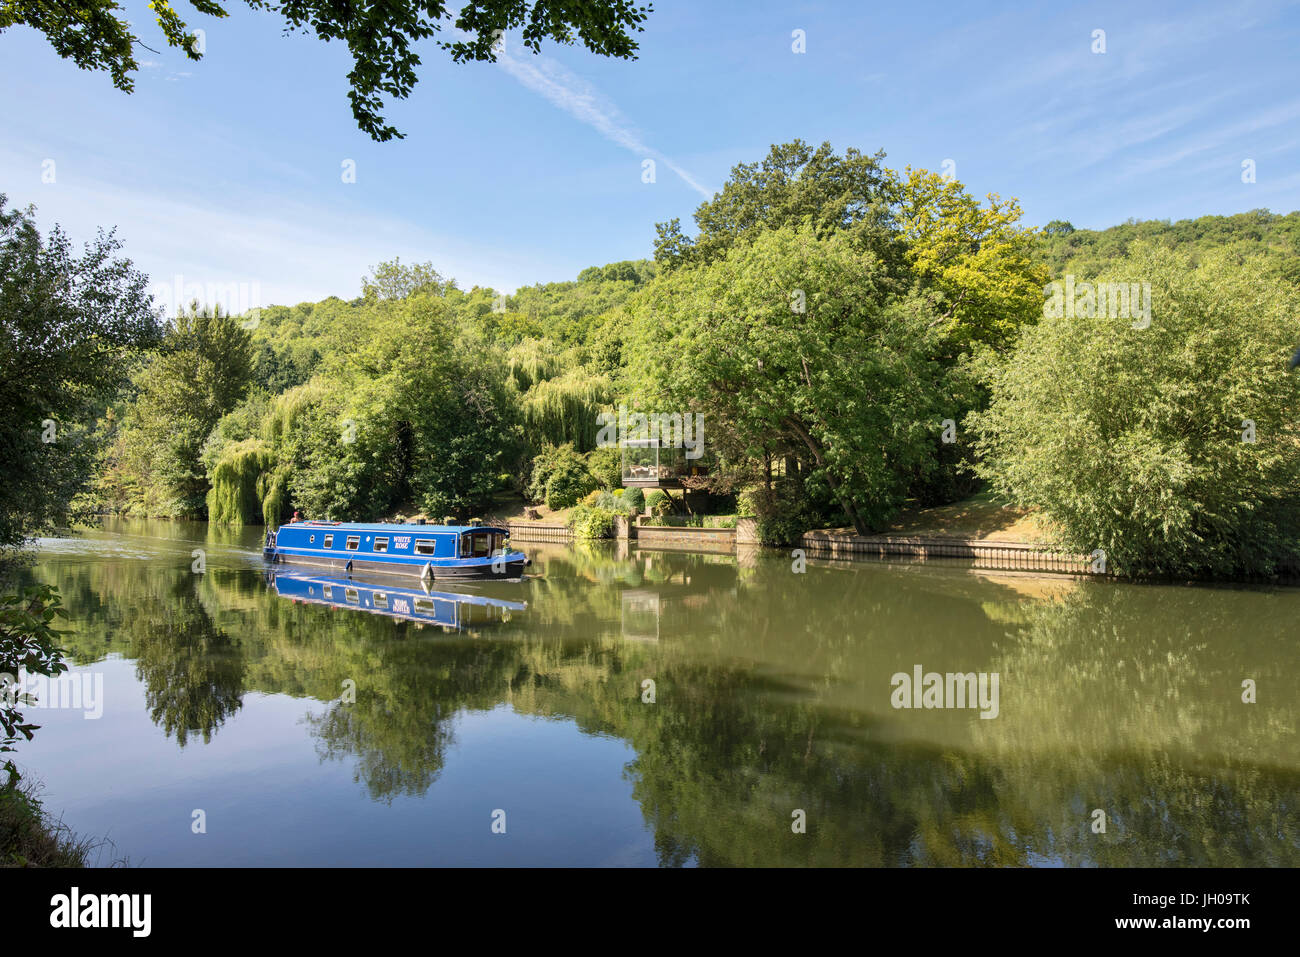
434	552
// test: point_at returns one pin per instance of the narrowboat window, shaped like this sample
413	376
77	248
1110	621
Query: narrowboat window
329	541
424	605
381	600
381	544
354	541
351	594
482	547
325	590
424	546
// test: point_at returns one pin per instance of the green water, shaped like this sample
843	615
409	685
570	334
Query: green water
771	704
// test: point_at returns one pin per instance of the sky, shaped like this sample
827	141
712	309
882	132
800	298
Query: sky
229	173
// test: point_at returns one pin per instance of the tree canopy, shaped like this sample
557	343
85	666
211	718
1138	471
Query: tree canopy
1171	445
70	326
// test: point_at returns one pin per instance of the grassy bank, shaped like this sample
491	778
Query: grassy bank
30	837
983	517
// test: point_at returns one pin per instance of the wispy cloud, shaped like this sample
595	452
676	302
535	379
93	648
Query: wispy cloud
290	251
581	100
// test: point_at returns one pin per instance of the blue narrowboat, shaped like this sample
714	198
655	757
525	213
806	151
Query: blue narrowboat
449	610
435	552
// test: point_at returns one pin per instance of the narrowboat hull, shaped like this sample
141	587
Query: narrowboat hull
465	569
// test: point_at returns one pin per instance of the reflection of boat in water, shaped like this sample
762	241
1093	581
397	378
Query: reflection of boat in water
451	610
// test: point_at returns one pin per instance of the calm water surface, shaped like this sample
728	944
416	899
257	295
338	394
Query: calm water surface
228	692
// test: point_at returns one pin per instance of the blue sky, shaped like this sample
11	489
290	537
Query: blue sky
230	170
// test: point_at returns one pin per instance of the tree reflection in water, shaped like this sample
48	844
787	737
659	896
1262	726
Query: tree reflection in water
772	694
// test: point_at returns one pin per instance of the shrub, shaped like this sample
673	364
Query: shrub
560	477
658	502
633	500
785	512
588	521
1136	441
747	502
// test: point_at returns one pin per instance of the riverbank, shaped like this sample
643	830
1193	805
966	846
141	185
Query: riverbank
30	837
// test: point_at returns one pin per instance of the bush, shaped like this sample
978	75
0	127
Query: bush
1135	440
658	502
588	521
747	502
560	477
785	512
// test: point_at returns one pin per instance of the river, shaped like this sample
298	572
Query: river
635	707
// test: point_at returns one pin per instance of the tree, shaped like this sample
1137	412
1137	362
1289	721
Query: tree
1172	447
70	327
973	263
200	374
392	280
801	342
95	35
793	184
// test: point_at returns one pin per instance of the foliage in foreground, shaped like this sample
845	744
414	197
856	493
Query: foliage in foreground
96	36
70	325
29	837
28	643
1138	441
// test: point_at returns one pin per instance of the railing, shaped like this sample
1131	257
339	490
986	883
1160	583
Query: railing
535	531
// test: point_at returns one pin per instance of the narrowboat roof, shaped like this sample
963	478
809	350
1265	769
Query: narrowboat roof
392	527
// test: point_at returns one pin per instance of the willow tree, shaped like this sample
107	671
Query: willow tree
238	483
530	362
566	409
